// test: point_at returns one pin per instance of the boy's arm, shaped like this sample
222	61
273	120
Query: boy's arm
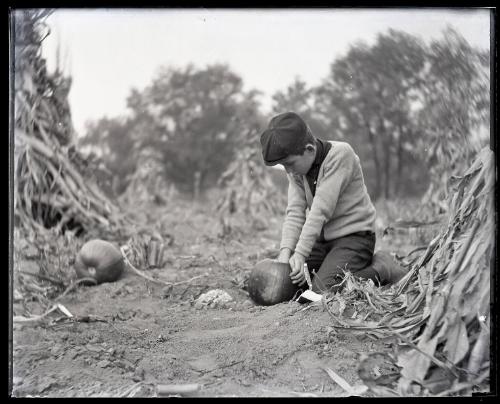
336	176
295	214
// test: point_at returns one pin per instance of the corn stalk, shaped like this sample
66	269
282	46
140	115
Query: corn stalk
50	189
248	187
441	308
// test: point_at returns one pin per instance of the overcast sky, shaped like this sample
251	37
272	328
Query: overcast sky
110	51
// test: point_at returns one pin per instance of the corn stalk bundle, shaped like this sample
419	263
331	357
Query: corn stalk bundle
148	184
147	251
248	187
441	308
448	153
49	187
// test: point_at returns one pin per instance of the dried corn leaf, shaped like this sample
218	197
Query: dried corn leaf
479	353
457	341
351	390
415	363
452	277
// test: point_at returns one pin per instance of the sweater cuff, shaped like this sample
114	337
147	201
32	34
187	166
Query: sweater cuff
288	243
303	250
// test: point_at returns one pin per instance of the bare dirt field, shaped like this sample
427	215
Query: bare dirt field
129	336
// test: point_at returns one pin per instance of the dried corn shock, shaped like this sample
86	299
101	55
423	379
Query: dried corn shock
56	196
50	187
248	188
441	308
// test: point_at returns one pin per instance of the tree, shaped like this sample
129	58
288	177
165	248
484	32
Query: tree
454	103
401	58
193	116
111	140
300	99
368	96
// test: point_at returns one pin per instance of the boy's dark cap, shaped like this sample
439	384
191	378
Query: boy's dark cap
285	135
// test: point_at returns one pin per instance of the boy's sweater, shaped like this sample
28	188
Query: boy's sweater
341	204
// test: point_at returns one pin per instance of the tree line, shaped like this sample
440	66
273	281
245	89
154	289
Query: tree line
411	110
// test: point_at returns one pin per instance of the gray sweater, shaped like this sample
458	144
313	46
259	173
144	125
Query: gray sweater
341	204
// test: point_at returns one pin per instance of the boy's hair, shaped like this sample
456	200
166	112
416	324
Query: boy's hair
308	139
286	135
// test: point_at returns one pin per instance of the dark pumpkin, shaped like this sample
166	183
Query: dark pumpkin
269	283
99	259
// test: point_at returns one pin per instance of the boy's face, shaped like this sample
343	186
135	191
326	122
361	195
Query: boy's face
300	164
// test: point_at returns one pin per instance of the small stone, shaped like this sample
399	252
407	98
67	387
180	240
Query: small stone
17	295
247	304
55	350
161	338
245	383
138	374
165	292
31	251
29	266
104	363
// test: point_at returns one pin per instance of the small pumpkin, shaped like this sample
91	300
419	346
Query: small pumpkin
269	282
101	260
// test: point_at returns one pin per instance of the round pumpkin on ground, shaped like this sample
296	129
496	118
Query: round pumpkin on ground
100	260
269	282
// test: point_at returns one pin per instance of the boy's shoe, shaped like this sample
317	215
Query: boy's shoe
388	270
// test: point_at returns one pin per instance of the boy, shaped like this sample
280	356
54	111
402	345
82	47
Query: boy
338	233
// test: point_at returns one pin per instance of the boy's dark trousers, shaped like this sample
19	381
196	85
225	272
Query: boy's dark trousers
329	259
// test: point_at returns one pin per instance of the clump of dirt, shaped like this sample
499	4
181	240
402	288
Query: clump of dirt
129	336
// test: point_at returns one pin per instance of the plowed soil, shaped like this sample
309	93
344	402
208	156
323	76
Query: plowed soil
129	336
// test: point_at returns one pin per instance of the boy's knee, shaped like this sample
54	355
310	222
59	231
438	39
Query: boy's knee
326	284
317	288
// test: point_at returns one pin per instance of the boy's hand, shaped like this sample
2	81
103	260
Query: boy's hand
297	262
284	256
